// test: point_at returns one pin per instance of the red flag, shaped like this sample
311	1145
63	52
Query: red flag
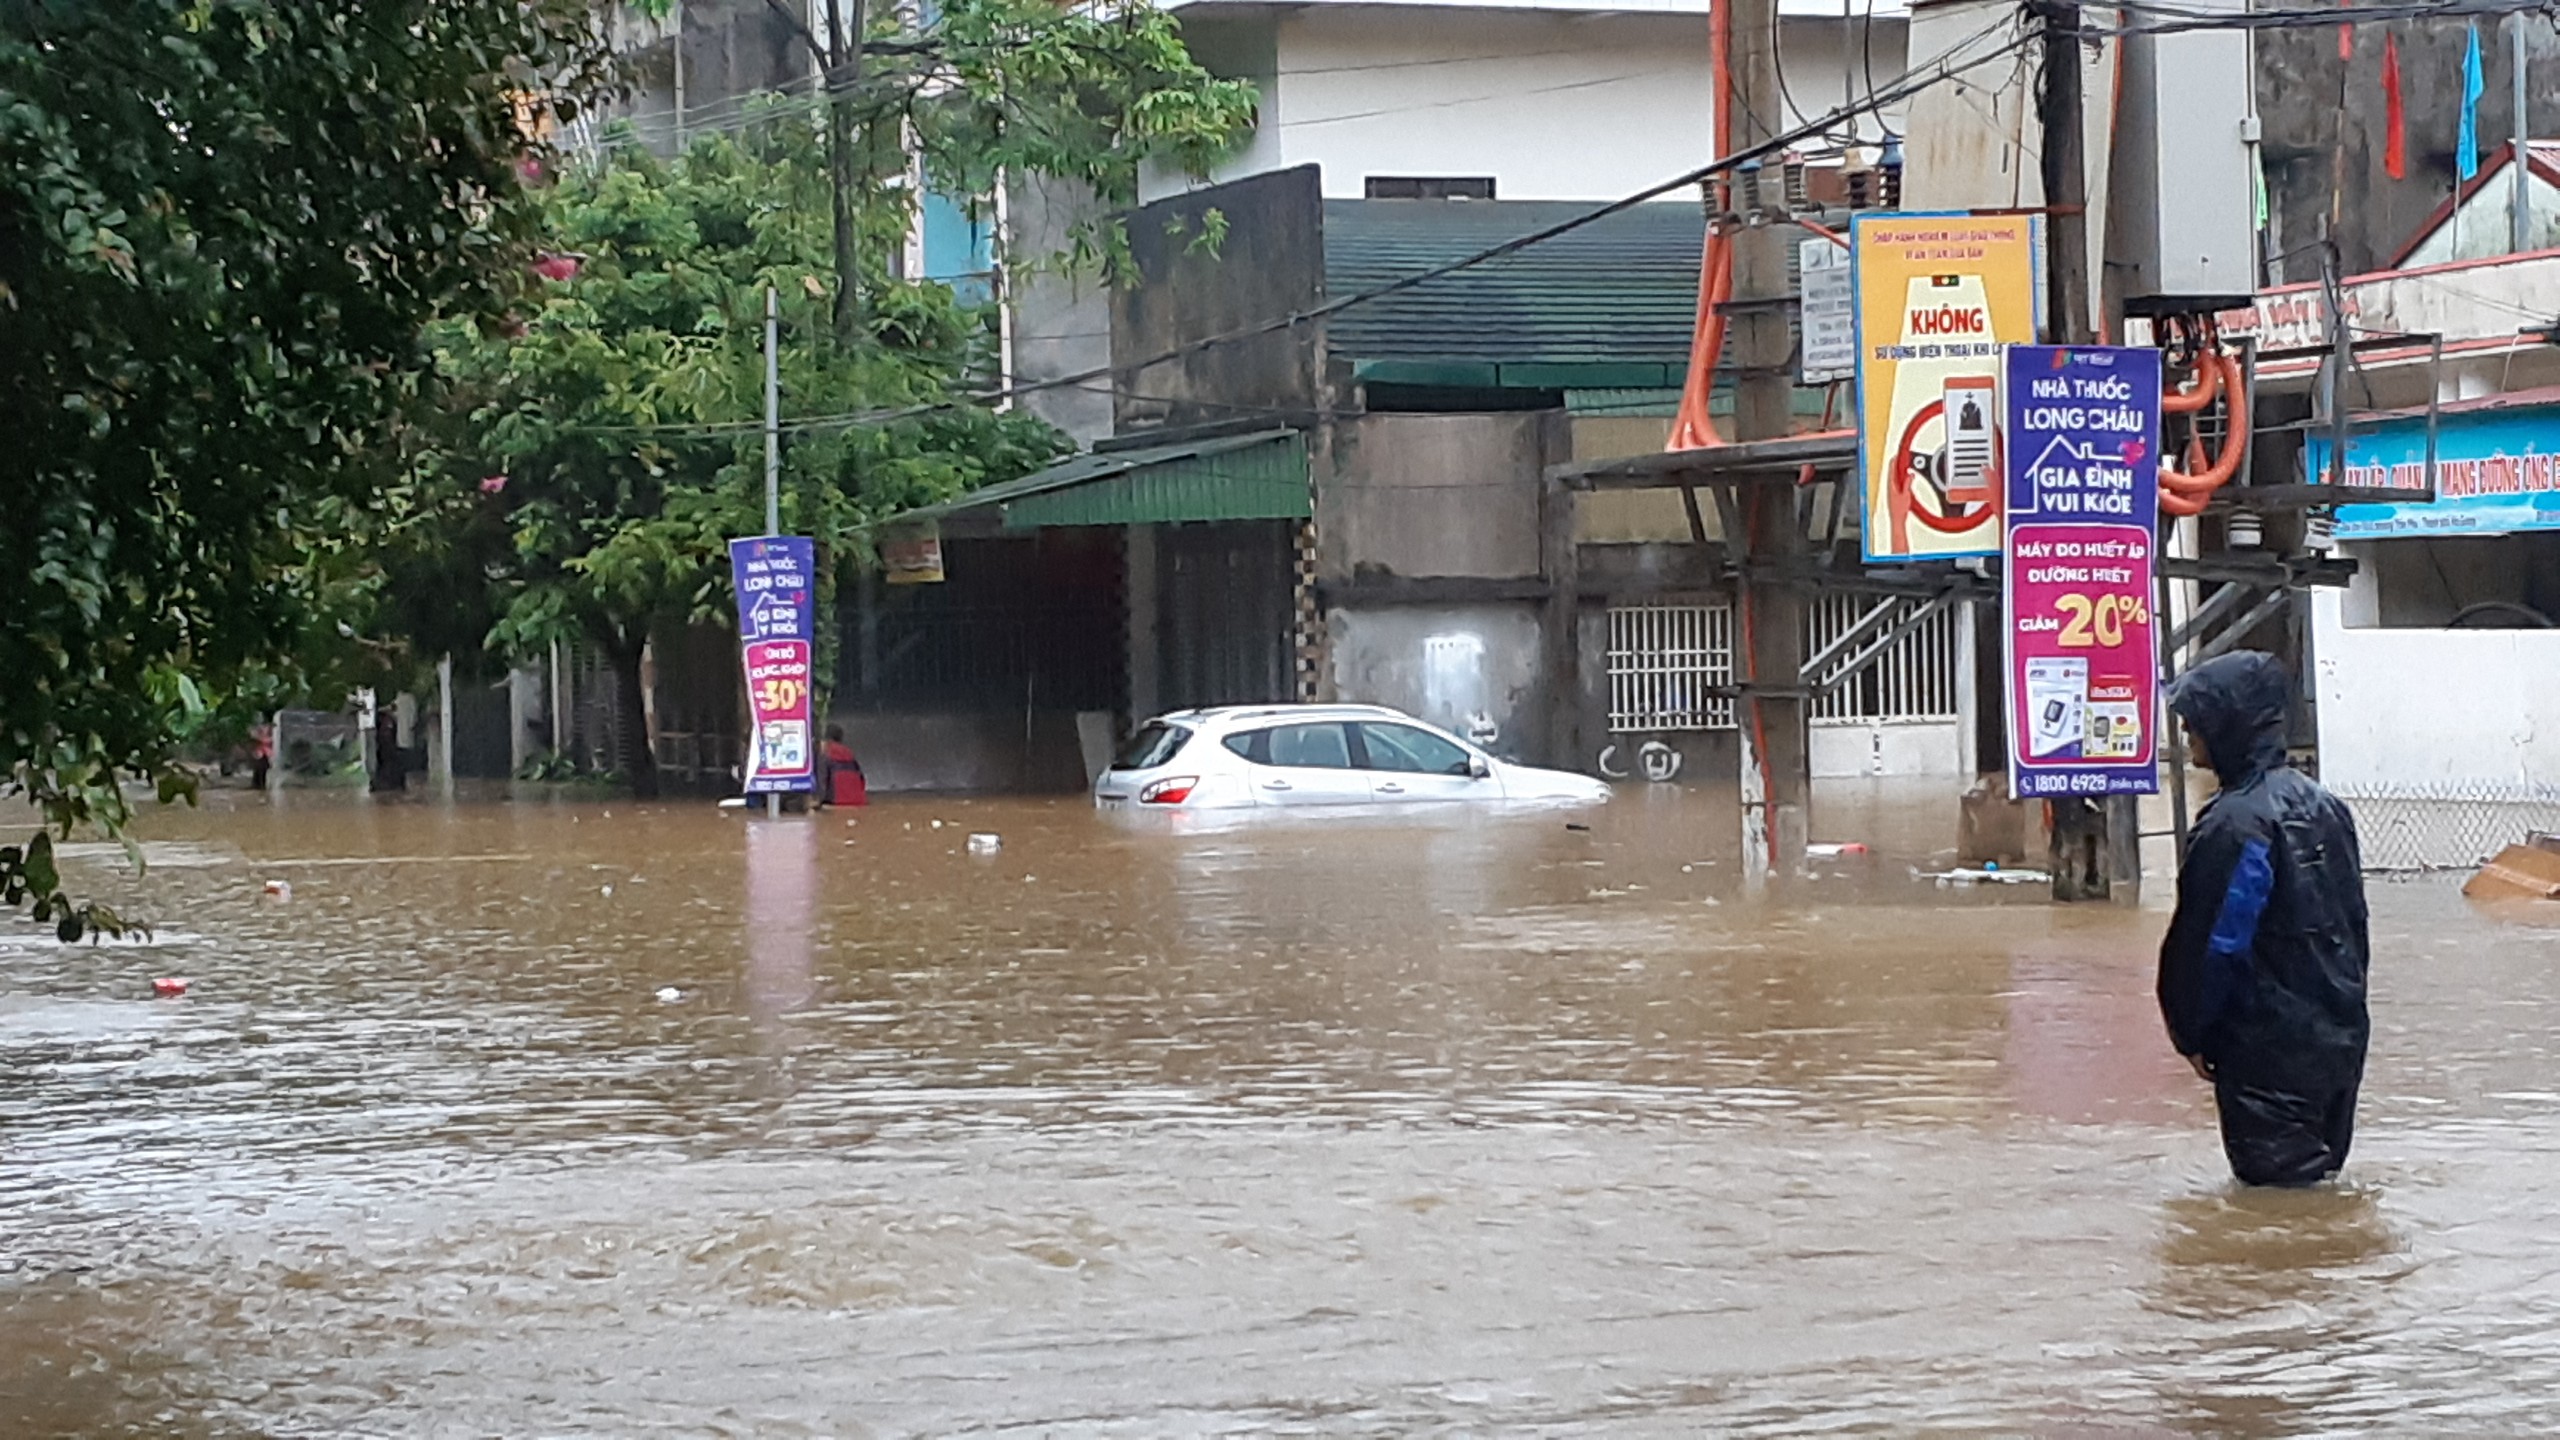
2395	141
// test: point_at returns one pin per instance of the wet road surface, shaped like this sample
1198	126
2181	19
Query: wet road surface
1381	1128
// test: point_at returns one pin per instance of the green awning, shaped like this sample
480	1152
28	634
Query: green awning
1260	476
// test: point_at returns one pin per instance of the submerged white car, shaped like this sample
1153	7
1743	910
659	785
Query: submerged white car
1249	756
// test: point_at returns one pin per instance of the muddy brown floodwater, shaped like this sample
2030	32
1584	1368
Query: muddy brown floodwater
1385	1127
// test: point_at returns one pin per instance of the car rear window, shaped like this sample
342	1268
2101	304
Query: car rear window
1153	745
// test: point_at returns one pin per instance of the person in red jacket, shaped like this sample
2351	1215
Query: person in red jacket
840	779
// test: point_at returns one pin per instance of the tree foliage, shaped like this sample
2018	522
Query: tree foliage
616	435
286	398
223	227
618	430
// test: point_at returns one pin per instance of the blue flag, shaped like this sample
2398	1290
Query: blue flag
2466	146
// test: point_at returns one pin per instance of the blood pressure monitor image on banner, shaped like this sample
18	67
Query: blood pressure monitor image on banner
1937	298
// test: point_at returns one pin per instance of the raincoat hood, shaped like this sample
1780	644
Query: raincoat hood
2238	704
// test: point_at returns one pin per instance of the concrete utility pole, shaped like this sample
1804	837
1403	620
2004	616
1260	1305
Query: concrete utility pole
2097	844
772	459
1776	770
2520	213
841	61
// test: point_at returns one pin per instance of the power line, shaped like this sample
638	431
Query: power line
1912	82
2171	19
1594	82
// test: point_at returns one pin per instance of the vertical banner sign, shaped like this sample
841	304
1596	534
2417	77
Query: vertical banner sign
2082	427
776	577
1937	298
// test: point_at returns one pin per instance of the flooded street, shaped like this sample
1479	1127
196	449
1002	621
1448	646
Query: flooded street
1383	1128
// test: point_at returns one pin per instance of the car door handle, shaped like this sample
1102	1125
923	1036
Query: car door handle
1275	784
1389	787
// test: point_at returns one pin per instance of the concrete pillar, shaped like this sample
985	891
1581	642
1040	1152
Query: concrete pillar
1560	625
440	755
1968	696
559	699
524	712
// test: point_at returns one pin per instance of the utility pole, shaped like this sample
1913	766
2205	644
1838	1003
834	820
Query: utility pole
2520	214
772	450
2097	844
1776	771
842	61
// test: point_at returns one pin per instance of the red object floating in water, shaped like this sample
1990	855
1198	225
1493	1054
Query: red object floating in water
168	985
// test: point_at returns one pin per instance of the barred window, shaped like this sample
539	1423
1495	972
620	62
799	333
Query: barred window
1664	662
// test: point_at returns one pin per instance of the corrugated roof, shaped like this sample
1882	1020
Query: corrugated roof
1262	475
1619	291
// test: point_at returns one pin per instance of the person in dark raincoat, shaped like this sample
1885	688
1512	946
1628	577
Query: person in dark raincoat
2262	977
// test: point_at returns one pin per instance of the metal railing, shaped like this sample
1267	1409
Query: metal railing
1911	679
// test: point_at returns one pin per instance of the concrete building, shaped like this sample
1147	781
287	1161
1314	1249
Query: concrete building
2326	128
1583	100
2435	675
1406	565
1353	507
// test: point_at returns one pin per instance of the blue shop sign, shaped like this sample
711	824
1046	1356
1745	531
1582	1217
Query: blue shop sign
2497	472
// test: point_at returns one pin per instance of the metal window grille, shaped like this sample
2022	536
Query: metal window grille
1664	660
1913	681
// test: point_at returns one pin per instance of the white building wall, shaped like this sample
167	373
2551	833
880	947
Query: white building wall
2446	742
1554	107
2481	229
1554	104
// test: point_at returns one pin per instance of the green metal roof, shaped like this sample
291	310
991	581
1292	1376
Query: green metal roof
1607	306
1260	476
1650	403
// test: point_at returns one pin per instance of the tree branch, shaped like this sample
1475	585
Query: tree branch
800	28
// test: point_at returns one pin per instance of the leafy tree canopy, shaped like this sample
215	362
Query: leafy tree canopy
224	225
616	433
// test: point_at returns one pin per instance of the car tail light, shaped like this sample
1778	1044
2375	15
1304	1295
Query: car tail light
1168	792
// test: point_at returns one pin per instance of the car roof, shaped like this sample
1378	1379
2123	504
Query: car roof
1218	715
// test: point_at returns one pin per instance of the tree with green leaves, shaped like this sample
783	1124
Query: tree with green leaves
618	429
990	89
615	433
224	226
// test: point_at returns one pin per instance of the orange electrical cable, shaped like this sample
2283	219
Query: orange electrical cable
2208	385
2234	438
1694	427
2186	493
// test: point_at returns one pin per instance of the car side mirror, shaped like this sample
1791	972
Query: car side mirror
1478	768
